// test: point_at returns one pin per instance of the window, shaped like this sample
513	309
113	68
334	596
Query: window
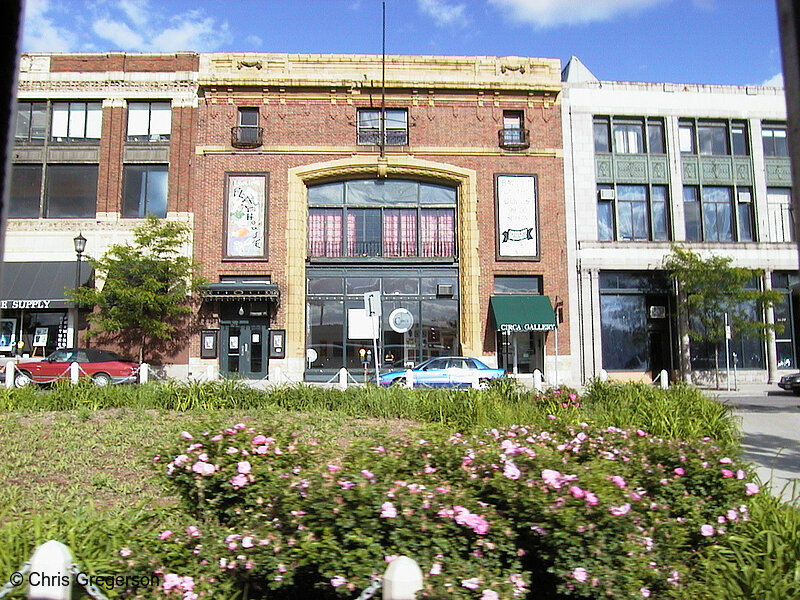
632	212
630	135
388	218
775	140
395	126
714	214
517	284
71	191
513	134
786	318
76	121
247	133
145	191
26	191
149	121
781	217
31	122
713	138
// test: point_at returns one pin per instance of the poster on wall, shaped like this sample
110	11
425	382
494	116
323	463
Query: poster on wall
517	218
246	216
8	330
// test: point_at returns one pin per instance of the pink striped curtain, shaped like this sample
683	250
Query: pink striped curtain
324	232
437	232
399	232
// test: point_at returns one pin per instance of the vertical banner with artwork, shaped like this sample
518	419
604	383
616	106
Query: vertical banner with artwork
517	217
246	216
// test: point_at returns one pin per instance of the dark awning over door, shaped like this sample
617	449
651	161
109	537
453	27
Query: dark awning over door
39	285
240	290
513	312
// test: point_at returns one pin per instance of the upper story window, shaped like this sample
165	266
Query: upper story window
149	121
713	138
513	134
381	218
31	122
53	191
517	284
145	191
718	213
775	139
629	135
76	121
632	213
247	133
395	126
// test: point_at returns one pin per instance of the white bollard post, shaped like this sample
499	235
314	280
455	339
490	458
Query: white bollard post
211	373
50	575
144	373
476	382
603	375
11	367
277	375
537	380
74	372
664	379
342	379
409	379
402	579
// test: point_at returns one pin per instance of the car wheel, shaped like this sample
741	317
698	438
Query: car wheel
22	378
796	391
399	382
483	384
101	379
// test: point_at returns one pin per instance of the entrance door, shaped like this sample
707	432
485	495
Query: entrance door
244	350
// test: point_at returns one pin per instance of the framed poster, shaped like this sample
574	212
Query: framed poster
246	216
517	217
40	337
208	343
8	334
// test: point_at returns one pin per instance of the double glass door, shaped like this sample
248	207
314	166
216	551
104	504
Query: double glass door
244	350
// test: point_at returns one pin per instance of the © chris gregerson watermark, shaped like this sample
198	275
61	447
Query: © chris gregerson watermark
108	582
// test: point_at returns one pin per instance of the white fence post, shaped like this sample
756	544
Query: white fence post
50	575
603	375
144	373
402	579
664	381
74	372
11	367
537	380
342	379
476	382
409	379
211	373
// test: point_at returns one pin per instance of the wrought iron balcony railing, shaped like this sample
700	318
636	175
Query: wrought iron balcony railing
246	137
514	138
372	137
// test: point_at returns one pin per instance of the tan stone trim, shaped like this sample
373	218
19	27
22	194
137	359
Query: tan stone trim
416	151
299	178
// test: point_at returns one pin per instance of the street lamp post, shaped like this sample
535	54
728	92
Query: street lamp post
80	246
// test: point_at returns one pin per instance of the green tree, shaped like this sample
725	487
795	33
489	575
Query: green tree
147	288
710	288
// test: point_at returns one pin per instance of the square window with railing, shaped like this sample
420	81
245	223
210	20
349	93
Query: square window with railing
391	122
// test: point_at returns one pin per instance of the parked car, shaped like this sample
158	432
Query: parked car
790	383
102	366
445	371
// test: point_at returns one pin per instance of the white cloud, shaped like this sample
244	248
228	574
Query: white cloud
193	32
40	32
443	13
774	81
550	13
118	33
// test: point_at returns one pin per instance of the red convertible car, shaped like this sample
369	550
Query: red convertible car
102	366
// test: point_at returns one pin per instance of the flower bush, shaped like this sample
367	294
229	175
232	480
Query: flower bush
570	511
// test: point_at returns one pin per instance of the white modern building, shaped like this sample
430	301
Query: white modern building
649	165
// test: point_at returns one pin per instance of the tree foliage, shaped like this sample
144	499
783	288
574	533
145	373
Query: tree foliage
709	288
147	285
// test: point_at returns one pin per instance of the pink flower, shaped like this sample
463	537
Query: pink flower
243	467
591	499
239	481
259	439
471	584
576	492
740	474
552	478
679	471
333	468
193	531
618	481
203	468
429	469
580	574
436	569
347	485
390	558
338	581
489	595
186	435
725	461
511	471
620	510
706	530
726	473
165	534
368	474
388	511
247	542
125	552
751	488
645	592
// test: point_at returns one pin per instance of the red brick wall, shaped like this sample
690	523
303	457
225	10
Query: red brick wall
118	61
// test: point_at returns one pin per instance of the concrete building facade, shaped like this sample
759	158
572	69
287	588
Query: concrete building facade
651	165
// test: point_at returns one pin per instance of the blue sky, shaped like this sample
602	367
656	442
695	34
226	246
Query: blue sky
685	41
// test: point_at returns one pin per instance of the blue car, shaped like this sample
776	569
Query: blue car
445	371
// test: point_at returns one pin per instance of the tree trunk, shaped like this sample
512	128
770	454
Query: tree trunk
716	367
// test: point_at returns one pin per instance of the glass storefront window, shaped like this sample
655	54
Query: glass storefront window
623	319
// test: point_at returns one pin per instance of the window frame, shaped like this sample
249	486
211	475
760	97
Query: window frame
73	107
143	202
34	107
370	135
772	150
612	209
735	144
50	180
705	204
149	136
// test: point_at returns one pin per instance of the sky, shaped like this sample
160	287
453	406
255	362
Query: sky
733	42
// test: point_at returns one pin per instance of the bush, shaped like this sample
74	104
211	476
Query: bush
582	511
